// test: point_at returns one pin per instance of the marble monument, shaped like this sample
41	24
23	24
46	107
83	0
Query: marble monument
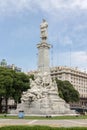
42	98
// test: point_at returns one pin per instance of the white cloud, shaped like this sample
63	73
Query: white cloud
82	4
80	27
65	40
74	59
9	6
79	57
46	5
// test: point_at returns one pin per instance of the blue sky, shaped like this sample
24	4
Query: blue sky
20	32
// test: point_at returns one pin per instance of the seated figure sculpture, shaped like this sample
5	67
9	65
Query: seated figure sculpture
37	86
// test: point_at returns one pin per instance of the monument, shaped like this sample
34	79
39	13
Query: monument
43	49
42	98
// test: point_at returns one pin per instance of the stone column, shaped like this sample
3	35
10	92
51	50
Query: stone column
43	49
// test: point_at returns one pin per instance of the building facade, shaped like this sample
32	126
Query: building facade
76	77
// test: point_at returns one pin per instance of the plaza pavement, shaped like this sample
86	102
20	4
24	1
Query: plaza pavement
54	123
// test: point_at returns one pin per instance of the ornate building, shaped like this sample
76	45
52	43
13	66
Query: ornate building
74	76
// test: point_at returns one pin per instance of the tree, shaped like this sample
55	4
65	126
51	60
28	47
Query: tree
67	91
6	81
12	84
21	83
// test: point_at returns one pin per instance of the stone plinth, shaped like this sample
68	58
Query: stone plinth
43	99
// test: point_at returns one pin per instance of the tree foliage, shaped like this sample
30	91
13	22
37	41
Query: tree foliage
12	84
67	91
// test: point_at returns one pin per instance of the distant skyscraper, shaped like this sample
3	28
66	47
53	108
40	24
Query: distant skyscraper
43	49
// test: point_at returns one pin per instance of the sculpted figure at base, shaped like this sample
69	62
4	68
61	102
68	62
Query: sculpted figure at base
42	98
40	84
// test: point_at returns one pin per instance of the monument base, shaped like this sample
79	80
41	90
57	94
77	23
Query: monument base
42	98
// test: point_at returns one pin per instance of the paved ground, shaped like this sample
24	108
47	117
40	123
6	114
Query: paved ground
57	123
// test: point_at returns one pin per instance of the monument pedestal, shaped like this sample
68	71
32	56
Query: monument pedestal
43	99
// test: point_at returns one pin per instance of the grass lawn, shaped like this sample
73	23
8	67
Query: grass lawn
4	116
40	128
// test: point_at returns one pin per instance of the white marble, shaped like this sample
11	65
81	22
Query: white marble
43	98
